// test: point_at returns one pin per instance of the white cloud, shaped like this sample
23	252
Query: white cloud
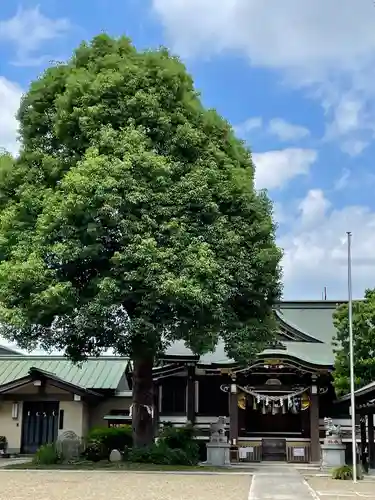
275	168
350	124
313	207
248	125
278	127
327	45
343	181
29	30
354	147
314	35
316	251
286	131
10	95
347	116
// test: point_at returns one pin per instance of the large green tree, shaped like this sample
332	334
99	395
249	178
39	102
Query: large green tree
130	219
363	343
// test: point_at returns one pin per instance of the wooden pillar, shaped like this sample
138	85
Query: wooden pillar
157	406
371	444
190	397
362	425
233	413
314	424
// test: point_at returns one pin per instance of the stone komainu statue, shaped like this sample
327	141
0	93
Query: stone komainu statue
331	429
218	430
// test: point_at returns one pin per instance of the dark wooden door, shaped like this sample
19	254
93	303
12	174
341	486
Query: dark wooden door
39	424
274	449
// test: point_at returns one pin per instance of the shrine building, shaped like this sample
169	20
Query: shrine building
276	405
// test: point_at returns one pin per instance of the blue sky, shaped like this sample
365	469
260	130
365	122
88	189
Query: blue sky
296	82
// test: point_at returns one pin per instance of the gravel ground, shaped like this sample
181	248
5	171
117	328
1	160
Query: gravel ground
31	485
330	489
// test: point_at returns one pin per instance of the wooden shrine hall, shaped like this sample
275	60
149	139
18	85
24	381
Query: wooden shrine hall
275	406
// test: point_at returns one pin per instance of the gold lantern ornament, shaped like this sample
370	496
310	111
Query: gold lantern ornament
305	401
241	401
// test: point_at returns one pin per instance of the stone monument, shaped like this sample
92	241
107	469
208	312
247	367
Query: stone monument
218	448
69	446
333	450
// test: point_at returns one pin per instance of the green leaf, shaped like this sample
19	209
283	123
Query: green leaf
130	218
363	343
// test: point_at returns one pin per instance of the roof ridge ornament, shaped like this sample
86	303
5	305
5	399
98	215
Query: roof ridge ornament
276	344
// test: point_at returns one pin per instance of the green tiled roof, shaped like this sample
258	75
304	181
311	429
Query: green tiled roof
219	356
312	318
7	351
315	354
101	373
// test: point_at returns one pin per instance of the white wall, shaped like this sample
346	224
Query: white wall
75	418
10	428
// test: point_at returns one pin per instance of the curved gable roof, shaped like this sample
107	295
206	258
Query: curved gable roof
7	351
289	329
312	318
312	323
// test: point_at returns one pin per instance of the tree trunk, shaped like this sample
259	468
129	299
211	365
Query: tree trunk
143	402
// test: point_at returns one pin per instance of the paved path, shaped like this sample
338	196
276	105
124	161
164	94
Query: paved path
280	483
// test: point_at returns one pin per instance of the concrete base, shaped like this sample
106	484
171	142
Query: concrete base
14	451
218	454
13	461
333	455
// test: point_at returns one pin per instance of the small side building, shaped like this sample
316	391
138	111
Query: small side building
43	396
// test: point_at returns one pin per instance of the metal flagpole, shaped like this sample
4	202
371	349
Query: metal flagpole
352	395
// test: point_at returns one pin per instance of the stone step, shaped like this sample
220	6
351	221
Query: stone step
285	465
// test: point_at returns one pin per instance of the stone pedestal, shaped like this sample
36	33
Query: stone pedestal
333	454
218	454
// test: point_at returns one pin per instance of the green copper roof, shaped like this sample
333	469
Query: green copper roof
101	373
7	351
219	356
314	354
311	318
311	353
